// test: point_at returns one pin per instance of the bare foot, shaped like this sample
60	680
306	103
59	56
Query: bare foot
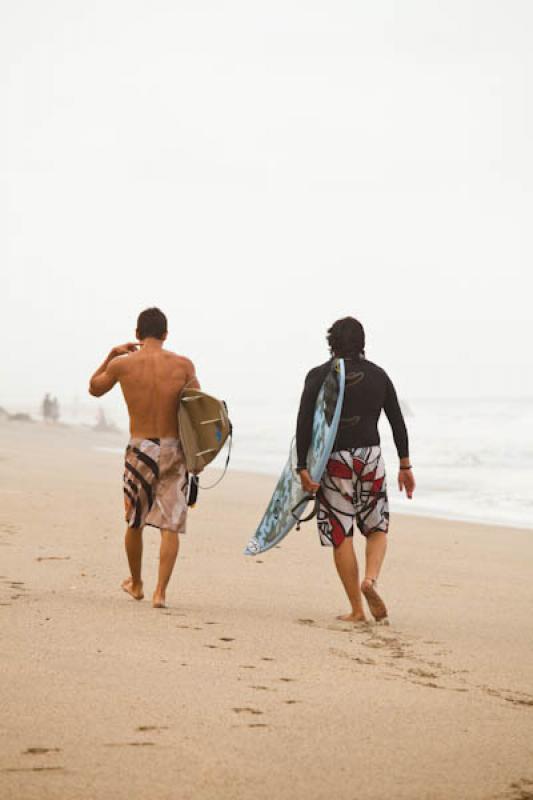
352	617
133	589
158	600
377	607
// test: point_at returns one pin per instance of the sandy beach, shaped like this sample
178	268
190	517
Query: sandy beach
245	686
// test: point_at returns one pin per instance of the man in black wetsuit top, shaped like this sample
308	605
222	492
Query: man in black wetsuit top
353	486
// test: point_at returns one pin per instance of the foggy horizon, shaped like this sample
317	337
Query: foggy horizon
258	172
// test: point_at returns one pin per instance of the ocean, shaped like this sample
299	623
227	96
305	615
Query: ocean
472	459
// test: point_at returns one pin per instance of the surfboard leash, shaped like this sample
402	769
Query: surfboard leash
226	465
310	516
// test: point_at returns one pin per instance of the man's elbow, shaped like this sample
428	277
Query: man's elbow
93	390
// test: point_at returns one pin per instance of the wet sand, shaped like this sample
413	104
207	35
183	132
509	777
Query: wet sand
246	686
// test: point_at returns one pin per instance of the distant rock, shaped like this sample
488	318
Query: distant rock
20	417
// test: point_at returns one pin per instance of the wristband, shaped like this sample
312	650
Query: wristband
409	467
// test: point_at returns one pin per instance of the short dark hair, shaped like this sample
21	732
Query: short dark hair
151	323
346	337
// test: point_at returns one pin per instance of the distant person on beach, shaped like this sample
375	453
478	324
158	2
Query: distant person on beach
54	409
353	487
155	476
46	407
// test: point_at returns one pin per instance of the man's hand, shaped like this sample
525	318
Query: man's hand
308	485
124	349
406	480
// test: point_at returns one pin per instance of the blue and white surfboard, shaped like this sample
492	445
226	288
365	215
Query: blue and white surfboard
288	504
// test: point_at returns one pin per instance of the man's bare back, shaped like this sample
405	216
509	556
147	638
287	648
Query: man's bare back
155	480
151	380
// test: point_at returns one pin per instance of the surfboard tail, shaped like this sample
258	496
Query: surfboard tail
253	548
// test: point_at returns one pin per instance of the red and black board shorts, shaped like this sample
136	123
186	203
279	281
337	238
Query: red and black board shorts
353	487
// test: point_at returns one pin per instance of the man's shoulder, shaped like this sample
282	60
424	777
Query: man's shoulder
179	365
318	372
117	366
373	367
178	358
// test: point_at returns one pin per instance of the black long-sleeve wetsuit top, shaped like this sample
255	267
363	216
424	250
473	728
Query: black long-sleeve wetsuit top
368	390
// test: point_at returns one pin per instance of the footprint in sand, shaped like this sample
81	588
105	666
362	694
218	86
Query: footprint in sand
9	529
357	659
341	626
144	728
263	688
267	658
246	710
130	744
393	651
226	639
38	751
422	673
33	769
516	698
387	647
519	700
427	684
257	725
521	790
391	644
53	558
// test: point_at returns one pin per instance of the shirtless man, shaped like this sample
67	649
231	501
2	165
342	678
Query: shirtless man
155	476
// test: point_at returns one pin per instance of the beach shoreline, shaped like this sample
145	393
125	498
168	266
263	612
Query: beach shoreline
246	686
449	502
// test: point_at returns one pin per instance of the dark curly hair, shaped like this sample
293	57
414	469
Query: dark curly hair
151	323
346	337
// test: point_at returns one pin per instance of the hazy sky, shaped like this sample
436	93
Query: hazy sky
259	169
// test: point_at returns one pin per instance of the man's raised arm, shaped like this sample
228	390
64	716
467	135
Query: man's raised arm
106	375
